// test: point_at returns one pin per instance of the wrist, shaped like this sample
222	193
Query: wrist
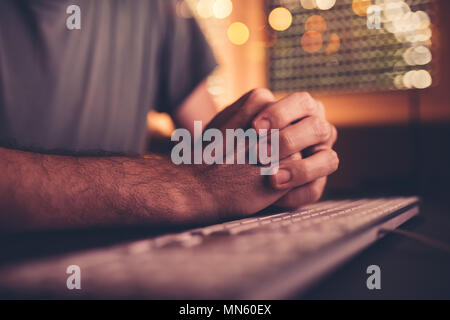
201	200
168	194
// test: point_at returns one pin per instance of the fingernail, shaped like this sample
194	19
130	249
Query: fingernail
262	124
282	177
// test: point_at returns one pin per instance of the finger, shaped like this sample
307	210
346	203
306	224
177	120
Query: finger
262	157
286	111
323	146
309	193
294	173
334	135
303	134
321	109
241	116
295	156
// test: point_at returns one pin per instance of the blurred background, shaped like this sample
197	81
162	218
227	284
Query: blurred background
380	67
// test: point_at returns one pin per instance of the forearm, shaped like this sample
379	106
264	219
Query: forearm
40	191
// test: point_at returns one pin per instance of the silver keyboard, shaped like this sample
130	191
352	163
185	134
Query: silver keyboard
226	260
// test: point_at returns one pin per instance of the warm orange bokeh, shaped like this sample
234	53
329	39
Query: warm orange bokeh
316	23
334	45
245	67
360	7
312	41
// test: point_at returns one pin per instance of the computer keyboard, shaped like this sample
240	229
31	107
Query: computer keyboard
325	221
235	259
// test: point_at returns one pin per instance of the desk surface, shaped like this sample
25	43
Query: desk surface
409	270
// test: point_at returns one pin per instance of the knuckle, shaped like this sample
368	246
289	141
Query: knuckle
306	101
256	97
277	115
302	95
260	93
321	128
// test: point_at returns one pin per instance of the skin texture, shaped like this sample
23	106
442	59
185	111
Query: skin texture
300	118
306	139
41	191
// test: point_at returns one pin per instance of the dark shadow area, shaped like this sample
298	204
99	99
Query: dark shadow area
393	160
409	270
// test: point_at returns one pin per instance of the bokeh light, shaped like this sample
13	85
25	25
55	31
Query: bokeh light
222	8
394	10
280	19
407	79
424	19
360	7
312	41
421	79
422	35
308	4
398	82
325	4
205	8
316	23
419	55
334	45
290	4
238	33
407	26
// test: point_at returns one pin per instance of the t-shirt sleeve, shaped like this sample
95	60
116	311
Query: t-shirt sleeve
187	60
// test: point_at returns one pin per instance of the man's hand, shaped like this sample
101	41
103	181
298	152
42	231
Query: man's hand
240	189
306	139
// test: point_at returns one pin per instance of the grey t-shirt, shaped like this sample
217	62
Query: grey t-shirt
89	90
